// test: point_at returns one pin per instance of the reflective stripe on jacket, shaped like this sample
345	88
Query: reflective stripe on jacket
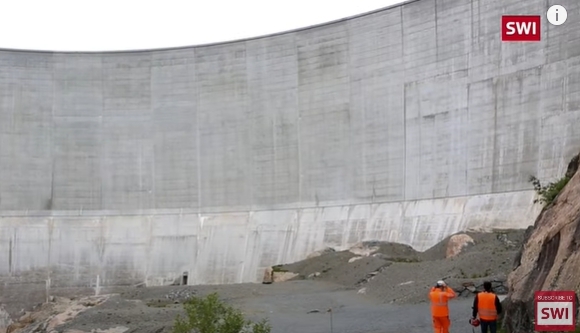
486	306
439	299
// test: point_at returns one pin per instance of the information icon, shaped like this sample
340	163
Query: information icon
557	15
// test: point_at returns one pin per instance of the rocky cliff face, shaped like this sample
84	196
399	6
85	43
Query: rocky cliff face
549	258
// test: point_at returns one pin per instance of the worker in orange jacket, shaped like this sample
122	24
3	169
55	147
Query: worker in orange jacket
488	306
440	296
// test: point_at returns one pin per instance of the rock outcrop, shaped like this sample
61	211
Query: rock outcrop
549	258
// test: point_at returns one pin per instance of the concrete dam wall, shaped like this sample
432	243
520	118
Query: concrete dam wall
406	124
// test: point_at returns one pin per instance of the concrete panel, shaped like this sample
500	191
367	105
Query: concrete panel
324	114
174	123
376	104
224	126
26	131
406	124
273	99
419	40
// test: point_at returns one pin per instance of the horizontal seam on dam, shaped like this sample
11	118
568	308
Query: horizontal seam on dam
178	211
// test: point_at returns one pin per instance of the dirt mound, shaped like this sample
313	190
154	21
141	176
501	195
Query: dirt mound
396	273
352	267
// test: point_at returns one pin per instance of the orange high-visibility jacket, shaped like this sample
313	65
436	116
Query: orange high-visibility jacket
486	306
439	299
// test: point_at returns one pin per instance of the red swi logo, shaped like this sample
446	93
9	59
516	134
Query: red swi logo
523	28
555	311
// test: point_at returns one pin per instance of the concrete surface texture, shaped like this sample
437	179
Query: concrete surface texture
406	125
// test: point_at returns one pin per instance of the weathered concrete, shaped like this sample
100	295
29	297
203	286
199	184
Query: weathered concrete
407	124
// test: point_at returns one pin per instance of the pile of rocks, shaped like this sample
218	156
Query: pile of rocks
182	294
371	275
469	288
396	273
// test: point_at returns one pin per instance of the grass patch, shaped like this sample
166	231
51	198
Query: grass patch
549	192
279	269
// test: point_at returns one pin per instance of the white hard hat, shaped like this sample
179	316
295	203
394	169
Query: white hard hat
440	283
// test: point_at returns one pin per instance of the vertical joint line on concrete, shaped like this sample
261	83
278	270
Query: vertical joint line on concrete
296	46
251	135
404	107
274	153
471	28
494	158
197	136
51	148
101	144
436	35
350	169
151	190
466	137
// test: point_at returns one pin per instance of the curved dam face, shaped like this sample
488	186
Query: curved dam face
404	125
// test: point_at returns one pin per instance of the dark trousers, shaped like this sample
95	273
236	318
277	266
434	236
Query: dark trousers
491	324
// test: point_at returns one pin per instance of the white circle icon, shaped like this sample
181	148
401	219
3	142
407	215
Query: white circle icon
557	15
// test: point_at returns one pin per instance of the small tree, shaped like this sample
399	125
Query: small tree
548	192
210	315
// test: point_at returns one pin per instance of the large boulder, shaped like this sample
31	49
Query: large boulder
549	258
364	249
268	276
283	276
457	243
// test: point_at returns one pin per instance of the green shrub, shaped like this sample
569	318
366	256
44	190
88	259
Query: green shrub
278	269
210	315
550	191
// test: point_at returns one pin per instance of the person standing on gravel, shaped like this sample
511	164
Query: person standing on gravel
488	306
440	296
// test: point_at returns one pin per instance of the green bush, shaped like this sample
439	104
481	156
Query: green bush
210	315
550	191
278	269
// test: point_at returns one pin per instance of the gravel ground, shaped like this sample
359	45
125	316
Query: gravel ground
286	305
404	283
